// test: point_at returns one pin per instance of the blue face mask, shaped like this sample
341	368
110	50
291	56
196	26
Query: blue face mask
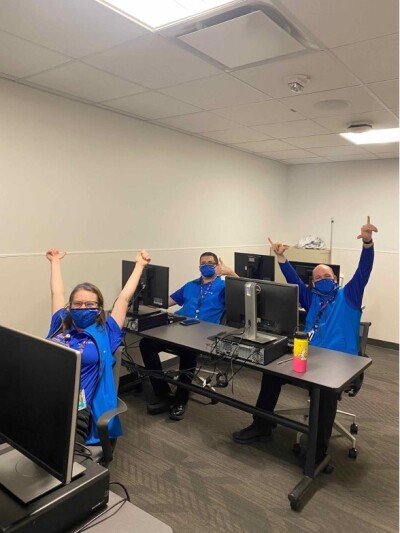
83	318
325	286
207	271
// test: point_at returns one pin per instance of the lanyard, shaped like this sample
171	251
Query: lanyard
323	306
65	338
203	294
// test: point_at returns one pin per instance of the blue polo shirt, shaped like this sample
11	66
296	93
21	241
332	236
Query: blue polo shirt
79	340
207	298
339	323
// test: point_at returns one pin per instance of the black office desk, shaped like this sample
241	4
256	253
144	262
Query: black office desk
326	369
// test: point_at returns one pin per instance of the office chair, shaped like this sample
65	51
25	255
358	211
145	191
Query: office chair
351	390
103	452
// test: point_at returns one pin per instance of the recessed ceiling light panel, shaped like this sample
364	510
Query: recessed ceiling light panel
157	14
373	136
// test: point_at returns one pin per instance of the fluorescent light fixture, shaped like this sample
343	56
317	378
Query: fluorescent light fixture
156	14
391	135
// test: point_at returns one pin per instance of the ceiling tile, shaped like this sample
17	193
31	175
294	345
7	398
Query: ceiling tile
215	92
291	129
317	141
340	123
340	22
85	82
382	148
354	99
152	61
20	58
199	122
389	155
358	157
290	154
306	160
323	71
339	150
372	60
238	135
151	105
387	92
267	112
265	146
72	27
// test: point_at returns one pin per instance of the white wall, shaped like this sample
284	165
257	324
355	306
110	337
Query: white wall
101	185
97	183
348	192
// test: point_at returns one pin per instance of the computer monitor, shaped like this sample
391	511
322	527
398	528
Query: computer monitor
153	287
261	306
305	270
39	390
255	266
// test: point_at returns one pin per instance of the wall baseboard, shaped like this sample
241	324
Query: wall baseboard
384	344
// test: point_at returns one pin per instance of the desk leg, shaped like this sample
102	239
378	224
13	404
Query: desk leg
310	472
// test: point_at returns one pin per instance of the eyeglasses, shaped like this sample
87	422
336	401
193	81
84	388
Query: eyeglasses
87	305
325	276
210	263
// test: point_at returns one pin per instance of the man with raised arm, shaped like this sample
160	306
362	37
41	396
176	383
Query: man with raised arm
202	298
332	321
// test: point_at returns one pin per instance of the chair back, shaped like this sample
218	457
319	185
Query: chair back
355	386
363	338
117	366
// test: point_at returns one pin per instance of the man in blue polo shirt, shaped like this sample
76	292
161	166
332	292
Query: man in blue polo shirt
332	321
202	298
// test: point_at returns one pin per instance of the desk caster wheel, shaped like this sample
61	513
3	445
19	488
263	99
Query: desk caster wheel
296	448
353	453
354	429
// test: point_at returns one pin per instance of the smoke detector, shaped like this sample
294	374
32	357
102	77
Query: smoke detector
359	128
297	83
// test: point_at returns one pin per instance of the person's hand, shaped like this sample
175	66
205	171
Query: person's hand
143	258
279	249
366	231
222	270
54	254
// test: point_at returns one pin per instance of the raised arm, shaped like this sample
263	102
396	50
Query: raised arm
290	274
56	280
279	250
122	302
223	270
354	289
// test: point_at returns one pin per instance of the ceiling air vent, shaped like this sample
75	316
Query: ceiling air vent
245	36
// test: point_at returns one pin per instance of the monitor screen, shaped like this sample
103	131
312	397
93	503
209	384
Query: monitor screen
304	270
255	266
39	389
277	305
153	288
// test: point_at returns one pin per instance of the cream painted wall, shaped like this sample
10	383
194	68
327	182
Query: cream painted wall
97	183
102	185
348	192
89	179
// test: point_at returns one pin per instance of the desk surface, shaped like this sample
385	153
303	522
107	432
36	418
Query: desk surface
326	368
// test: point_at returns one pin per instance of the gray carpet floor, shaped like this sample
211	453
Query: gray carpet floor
192	476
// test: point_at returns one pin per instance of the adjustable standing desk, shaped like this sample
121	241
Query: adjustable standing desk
327	369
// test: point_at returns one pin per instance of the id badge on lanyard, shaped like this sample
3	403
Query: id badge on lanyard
82	400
